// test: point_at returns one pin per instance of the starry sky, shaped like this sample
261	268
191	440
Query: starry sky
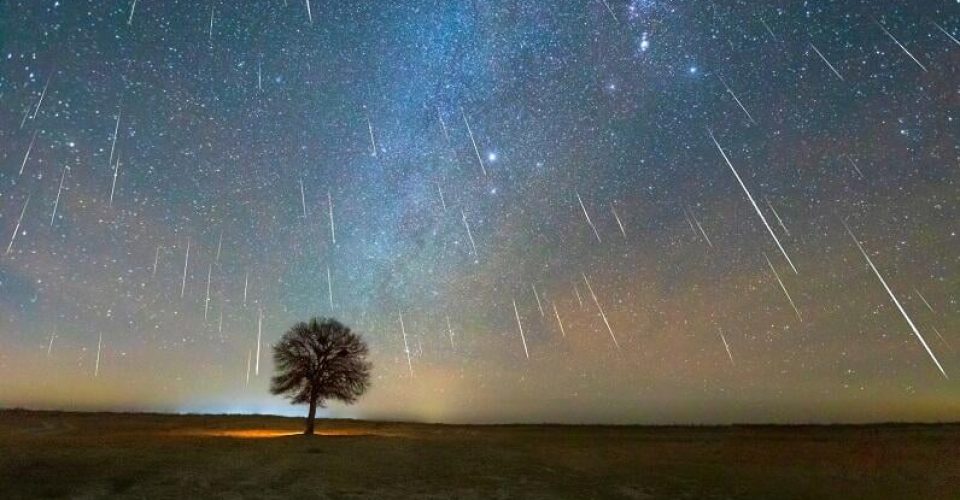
574	211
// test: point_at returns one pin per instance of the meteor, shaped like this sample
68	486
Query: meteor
617	218
782	287
474	142
924	68
16	229
520	327
557	314
96	368
27	155
753	202
895	300
333	228
835	72
727	347
56	202
537	296
924	300
737	99
602	314
469	233
406	347
585	214
186	261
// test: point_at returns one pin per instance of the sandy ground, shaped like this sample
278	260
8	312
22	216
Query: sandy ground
86	455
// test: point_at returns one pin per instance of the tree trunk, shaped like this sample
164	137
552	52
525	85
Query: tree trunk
311	416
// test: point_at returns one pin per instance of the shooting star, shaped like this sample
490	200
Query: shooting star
835	72
303	200
156	260
617	218
520	327
599	308
537	296
443	202
116	132
776	215
333	227
42	95
113	186
557	314
737	99
727	347
206	301
210	35
450	333
945	32
783	287
133	7
474	142
753	202
216	259
443	125
260	76
373	142
50	345
466	224
700	227
854	165
896	301
585	214
614	16
329	287
309	12
904	49
96	367
576	290
56	202
249	355
924	300
406	347
246	281
27	155
186	261
767	27
16	229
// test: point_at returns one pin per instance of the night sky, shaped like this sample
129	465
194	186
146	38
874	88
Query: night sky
537	190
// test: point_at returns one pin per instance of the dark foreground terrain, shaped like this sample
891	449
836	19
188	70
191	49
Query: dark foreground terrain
86	455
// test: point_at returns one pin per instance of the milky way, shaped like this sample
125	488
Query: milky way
533	210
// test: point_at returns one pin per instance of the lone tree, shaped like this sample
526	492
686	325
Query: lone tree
320	360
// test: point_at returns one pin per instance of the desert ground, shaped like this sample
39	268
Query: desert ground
97	455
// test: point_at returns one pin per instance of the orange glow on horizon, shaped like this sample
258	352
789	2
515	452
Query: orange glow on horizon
274	433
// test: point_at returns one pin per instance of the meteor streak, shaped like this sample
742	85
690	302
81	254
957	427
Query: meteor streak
474	142
406	347
27	155
896	302
602	314
56	202
520	327
835	72
753	202
585	214
727	347
924	68
557	314
16	229
186	260
783	287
